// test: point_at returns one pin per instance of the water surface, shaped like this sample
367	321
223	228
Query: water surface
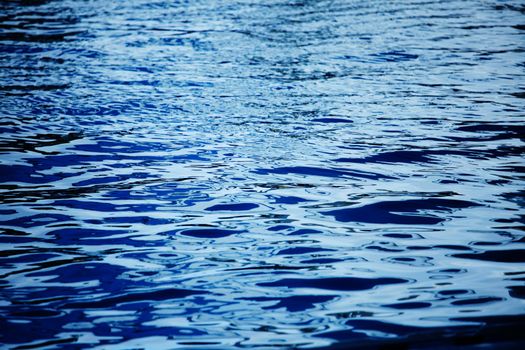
237	174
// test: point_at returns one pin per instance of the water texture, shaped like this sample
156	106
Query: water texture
209	174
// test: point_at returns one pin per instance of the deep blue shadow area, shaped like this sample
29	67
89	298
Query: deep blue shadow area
389	212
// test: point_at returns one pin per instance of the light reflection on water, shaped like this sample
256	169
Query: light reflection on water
221	174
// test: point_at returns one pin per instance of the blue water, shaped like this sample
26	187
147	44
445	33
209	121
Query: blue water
221	174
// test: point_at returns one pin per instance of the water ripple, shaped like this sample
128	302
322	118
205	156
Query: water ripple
245	174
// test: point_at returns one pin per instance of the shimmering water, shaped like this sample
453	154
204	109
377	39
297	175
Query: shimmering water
235	174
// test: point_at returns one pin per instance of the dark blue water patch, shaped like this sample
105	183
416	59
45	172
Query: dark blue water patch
452	247
289	200
517	197
7	212
36	38
511	7
322	172
36	220
35	313
493	153
417	247
505	320
278	228
504	256
11	232
508	129
48	264
400	235
388	212
331	120
486	243
232	207
21	251
27	174
37	329
382	57
454	292
391	157
294	303
491	335
106	274
16	240
21	90
83	233
103	206
209	233
30	257
39	140
476	301
336	283
408	305
517	292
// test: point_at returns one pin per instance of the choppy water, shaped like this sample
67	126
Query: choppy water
235	174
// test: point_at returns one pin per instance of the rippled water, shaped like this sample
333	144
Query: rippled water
233	174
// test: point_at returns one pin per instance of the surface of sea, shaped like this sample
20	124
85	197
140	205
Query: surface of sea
259	174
